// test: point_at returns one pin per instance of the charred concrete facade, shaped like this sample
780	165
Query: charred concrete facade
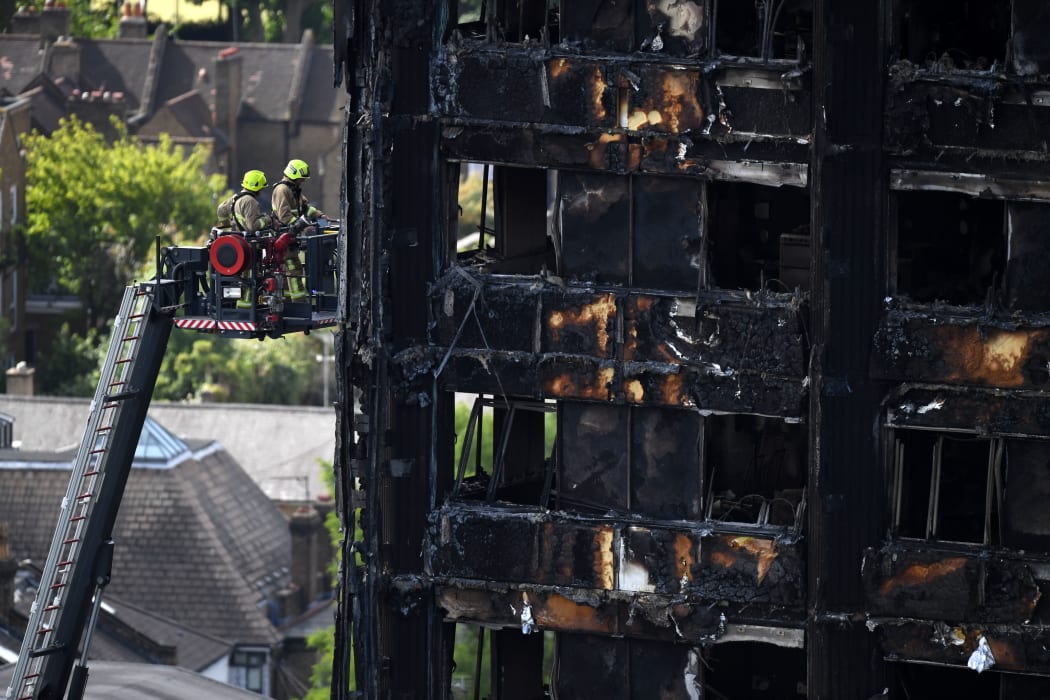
757	325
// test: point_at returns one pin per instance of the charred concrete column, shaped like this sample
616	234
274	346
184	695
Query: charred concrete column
847	511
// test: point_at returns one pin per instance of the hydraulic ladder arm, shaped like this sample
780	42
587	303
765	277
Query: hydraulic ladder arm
78	562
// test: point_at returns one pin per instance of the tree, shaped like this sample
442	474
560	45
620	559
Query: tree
95	208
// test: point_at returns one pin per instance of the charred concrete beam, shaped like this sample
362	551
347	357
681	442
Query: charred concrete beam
619	114
648	616
955	345
601	555
995	412
913	580
976	184
966	119
1021	648
757	160
528	337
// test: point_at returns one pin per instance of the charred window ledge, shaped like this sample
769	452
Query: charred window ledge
755	566
1024	648
971	183
989	412
634	616
773	162
955	345
721	351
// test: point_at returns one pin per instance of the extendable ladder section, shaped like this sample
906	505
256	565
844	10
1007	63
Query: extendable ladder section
96	486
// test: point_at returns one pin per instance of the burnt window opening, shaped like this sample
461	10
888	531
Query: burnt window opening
953	34
502	220
753	670
511	21
1026	519
645	460
947	486
950	247
507	450
1027	230
931	681
755	470
501	663
772	29
759	236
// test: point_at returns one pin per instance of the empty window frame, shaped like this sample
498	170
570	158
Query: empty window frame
743	670
947	486
754	470
932	681
960	34
950	247
500	218
506	450
759	236
511	21
774	29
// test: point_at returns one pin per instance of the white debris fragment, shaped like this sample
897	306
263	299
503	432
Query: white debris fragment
682	148
658	44
981	659
528	625
934	405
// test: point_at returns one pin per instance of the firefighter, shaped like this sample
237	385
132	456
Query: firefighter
289	203
242	209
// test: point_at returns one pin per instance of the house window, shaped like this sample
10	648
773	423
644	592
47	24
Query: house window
947	486
248	671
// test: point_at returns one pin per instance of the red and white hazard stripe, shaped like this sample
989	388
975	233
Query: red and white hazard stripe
209	324
326	321
196	324
236	326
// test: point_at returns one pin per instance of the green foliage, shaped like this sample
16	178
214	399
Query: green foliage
283	371
70	366
91	20
470	187
95	208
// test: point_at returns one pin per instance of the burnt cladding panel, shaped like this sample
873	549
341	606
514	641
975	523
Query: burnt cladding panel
968	33
494	87
594	460
595	226
779	112
665	463
667	245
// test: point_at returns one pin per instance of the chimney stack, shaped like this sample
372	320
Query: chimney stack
20	380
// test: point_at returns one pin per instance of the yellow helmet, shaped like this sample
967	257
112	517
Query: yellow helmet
297	170
254	180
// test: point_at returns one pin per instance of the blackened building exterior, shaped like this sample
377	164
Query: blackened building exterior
756	327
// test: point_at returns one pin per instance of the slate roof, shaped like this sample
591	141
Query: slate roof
112	680
279	449
121	65
20	61
116	65
197	541
193	649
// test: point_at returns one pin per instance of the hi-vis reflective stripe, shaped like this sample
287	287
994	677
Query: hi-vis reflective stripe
208	324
